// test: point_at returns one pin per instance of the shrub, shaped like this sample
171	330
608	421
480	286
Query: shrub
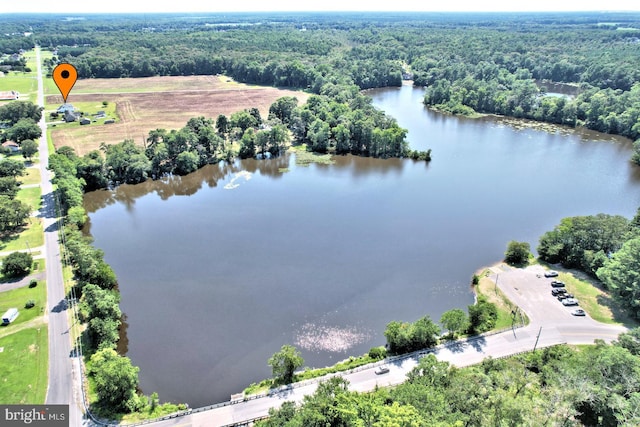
517	253
475	279
33	283
30	304
377	353
17	264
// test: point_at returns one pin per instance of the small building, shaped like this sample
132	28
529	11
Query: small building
10	95
84	121
10	315
12	146
70	116
66	107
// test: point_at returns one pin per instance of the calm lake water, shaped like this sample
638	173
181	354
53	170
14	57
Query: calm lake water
220	268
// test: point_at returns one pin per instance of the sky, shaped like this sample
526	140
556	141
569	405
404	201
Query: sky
129	6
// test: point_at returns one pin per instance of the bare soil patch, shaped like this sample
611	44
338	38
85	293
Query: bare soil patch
163	105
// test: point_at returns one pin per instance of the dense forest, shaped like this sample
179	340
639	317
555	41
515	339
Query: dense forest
483	63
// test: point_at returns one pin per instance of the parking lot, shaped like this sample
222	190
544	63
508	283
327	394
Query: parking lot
531	291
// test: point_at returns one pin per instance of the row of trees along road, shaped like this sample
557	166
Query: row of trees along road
561	385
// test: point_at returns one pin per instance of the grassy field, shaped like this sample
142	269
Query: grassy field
32	233
25	83
23	366
32	176
31	196
144	104
18	298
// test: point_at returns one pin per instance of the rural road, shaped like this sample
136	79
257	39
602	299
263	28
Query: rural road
62	366
531	293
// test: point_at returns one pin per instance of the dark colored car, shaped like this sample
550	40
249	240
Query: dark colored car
555	292
557	284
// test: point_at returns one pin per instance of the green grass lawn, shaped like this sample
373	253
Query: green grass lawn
18	298
594	299
32	176
25	83
23	366
31	234
30	196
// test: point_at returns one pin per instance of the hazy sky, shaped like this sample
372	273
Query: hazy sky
92	6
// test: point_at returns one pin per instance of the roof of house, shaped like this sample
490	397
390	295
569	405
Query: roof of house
10	144
10	94
66	107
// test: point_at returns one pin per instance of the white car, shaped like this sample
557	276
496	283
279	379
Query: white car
382	370
579	312
569	301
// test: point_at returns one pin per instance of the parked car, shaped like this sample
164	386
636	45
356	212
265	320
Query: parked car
551	274
578	312
382	370
558	291
562	297
557	284
570	301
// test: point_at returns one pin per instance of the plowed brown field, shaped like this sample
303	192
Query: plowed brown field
158	102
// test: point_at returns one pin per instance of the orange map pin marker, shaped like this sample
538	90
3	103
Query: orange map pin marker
65	76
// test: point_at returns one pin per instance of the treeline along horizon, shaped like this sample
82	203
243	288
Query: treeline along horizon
482	63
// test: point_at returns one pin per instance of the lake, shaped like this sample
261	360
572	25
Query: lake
220	268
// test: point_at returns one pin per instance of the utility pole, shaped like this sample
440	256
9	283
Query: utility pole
496	287
537	338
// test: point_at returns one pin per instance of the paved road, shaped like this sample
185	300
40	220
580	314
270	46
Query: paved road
548	317
62	366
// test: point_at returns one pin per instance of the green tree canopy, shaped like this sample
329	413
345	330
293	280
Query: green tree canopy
17	264
284	363
116	380
621	275
12	112
584	241
454	320
29	147
517	253
23	130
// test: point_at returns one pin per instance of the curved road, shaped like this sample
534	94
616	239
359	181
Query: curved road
63	365
548	317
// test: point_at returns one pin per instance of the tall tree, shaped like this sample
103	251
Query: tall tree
284	363
116	380
454	320
621	275
28	147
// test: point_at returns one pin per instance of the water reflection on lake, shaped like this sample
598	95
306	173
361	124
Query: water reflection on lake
218	269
